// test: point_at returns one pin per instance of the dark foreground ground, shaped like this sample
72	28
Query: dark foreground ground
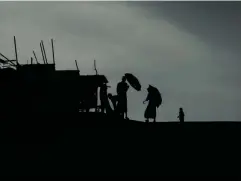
96	145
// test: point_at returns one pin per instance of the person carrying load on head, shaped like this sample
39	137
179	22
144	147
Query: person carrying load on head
154	101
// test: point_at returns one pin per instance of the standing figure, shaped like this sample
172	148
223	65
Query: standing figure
122	88
181	115
150	112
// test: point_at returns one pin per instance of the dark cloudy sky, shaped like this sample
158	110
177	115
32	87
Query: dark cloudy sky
189	50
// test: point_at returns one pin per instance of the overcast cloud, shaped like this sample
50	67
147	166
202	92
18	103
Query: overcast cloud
189	51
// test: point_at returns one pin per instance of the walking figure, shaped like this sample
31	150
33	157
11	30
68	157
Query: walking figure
181	115
155	101
122	88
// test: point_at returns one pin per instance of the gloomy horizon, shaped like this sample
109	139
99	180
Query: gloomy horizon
190	51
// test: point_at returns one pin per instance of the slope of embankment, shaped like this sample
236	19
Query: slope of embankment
94	144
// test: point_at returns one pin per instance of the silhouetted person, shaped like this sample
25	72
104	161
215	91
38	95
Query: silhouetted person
181	115
105	104
150	112
122	88
103	97
114	100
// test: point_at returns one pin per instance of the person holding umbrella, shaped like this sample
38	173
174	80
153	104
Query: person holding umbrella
155	100
122	88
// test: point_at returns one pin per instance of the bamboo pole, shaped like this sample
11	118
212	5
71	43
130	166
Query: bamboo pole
35	57
52	42
96	72
42	52
76	65
15	46
46	61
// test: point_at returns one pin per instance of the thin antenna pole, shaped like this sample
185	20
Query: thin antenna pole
35	57
44	52
31	60
27	62
52	42
96	72
76	65
15	46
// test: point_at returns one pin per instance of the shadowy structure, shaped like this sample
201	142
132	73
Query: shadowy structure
40	88
88	91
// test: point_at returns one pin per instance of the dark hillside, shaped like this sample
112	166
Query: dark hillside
94	144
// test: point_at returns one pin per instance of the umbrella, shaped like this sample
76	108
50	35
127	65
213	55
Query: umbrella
158	96
133	81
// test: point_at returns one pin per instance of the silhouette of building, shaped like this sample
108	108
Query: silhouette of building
41	88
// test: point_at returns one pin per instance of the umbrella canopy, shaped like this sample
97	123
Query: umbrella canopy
133	81
158	96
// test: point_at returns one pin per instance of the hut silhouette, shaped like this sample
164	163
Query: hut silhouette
41	88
